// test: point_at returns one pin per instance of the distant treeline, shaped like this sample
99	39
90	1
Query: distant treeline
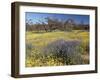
55	24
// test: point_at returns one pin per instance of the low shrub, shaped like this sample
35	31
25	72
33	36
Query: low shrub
68	51
29	47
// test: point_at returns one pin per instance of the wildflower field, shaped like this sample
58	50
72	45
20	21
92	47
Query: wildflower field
57	48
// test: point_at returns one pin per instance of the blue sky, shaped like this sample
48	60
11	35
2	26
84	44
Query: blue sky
40	17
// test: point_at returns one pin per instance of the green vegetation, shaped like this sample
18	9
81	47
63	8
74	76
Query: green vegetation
38	42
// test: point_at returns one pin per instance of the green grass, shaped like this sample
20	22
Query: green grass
44	38
40	40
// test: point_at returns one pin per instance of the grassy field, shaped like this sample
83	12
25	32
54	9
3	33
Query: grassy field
37	41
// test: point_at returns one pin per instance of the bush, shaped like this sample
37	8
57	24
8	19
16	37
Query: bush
68	51
29	47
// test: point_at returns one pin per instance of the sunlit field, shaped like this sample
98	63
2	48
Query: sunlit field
57	48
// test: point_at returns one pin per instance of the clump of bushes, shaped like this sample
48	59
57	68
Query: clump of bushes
66	52
57	53
33	56
29	47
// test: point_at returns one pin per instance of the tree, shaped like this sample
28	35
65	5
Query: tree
44	26
29	25
69	24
